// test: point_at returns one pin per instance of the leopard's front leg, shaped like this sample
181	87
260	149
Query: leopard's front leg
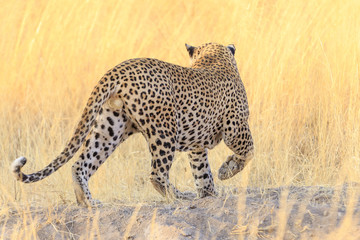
202	173
240	141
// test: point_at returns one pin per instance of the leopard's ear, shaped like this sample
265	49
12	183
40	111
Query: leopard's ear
190	49
232	48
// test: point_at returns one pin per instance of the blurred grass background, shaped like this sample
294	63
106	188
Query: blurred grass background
299	61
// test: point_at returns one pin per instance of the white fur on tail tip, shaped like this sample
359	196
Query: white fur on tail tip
17	164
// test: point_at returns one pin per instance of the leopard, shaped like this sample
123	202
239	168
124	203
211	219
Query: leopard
187	109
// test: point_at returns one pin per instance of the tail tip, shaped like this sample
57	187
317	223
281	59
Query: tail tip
17	164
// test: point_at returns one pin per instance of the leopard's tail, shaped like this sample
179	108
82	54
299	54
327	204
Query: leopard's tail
101	93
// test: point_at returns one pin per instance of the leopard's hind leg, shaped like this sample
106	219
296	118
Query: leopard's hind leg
112	127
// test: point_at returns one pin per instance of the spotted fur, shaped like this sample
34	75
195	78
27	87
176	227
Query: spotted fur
175	108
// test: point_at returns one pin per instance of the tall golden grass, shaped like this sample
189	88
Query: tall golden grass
299	61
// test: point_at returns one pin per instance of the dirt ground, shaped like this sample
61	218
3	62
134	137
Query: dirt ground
253	213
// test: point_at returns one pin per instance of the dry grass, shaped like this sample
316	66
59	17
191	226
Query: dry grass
299	61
